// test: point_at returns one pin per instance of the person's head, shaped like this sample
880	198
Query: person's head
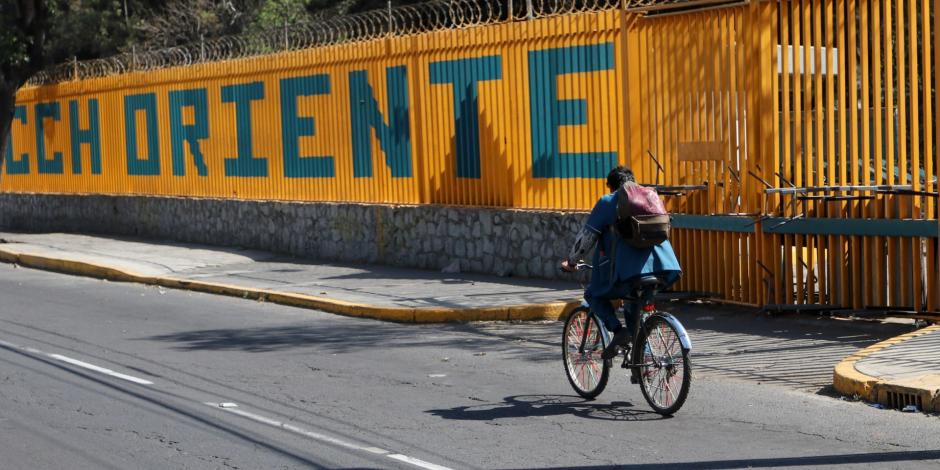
618	176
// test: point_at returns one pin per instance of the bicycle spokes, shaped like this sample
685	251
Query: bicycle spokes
584	344
663	367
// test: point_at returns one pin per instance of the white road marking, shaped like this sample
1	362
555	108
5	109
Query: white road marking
416	462
233	408
76	362
328	439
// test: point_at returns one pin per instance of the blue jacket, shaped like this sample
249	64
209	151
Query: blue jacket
630	262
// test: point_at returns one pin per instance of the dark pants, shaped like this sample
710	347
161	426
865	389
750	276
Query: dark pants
602	305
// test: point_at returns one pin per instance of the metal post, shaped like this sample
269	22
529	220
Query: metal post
528	9
286	38
202	47
509	16
390	17
75	68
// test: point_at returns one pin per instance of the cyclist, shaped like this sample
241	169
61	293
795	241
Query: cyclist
612	279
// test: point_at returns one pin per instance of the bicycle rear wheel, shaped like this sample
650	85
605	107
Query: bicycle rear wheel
582	345
665	369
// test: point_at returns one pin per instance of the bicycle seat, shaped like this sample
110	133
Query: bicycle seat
645	282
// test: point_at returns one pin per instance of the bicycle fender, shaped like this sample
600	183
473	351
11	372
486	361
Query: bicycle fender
674	322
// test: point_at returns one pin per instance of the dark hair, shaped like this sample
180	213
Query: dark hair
618	176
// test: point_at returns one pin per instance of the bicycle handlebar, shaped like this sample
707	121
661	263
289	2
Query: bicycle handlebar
580	266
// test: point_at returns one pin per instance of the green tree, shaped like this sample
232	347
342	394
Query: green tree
23	25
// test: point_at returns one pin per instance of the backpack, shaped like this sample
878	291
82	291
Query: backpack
642	220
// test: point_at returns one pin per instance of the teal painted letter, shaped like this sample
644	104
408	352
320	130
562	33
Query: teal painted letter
464	74
394	137
43	111
246	163
147	103
293	127
90	136
191	133
548	113
19	166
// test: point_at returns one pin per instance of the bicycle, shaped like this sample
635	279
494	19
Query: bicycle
659	362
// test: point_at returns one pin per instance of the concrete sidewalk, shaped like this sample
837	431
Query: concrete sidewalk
396	294
896	372
901	372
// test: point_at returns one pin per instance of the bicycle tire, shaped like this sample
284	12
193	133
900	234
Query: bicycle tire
587	372
663	359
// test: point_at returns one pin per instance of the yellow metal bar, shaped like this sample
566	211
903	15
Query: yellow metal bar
890	132
843	257
816	278
723	123
876	287
853	268
913	247
902	245
932	119
833	250
804	160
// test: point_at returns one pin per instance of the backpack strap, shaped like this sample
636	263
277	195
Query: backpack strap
614	238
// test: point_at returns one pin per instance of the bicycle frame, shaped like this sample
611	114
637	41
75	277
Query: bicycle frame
645	303
654	359
597	321
646	308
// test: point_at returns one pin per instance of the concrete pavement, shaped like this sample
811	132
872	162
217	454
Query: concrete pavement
901	371
384	293
480	395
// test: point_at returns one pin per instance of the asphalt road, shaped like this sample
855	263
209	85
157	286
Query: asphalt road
102	375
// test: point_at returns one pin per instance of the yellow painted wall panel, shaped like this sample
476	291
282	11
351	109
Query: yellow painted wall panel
532	114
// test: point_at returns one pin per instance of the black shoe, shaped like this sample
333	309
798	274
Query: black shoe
621	338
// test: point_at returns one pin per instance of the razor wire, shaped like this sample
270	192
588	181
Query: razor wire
405	20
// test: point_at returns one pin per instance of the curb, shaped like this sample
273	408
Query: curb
846	379
523	312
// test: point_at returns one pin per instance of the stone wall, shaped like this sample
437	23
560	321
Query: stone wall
493	241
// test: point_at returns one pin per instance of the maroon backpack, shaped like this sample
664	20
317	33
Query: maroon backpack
642	220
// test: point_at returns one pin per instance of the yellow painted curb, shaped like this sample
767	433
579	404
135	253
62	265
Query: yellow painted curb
846	379
548	311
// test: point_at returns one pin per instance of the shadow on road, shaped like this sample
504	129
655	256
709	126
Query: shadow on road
527	406
794	352
335	337
808	461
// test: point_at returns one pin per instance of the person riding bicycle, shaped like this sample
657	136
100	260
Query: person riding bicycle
612	279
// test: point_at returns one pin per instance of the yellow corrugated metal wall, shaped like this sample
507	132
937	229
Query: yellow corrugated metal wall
878	55
531	114
304	116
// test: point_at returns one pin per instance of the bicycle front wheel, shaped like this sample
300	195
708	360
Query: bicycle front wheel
665	369
582	346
